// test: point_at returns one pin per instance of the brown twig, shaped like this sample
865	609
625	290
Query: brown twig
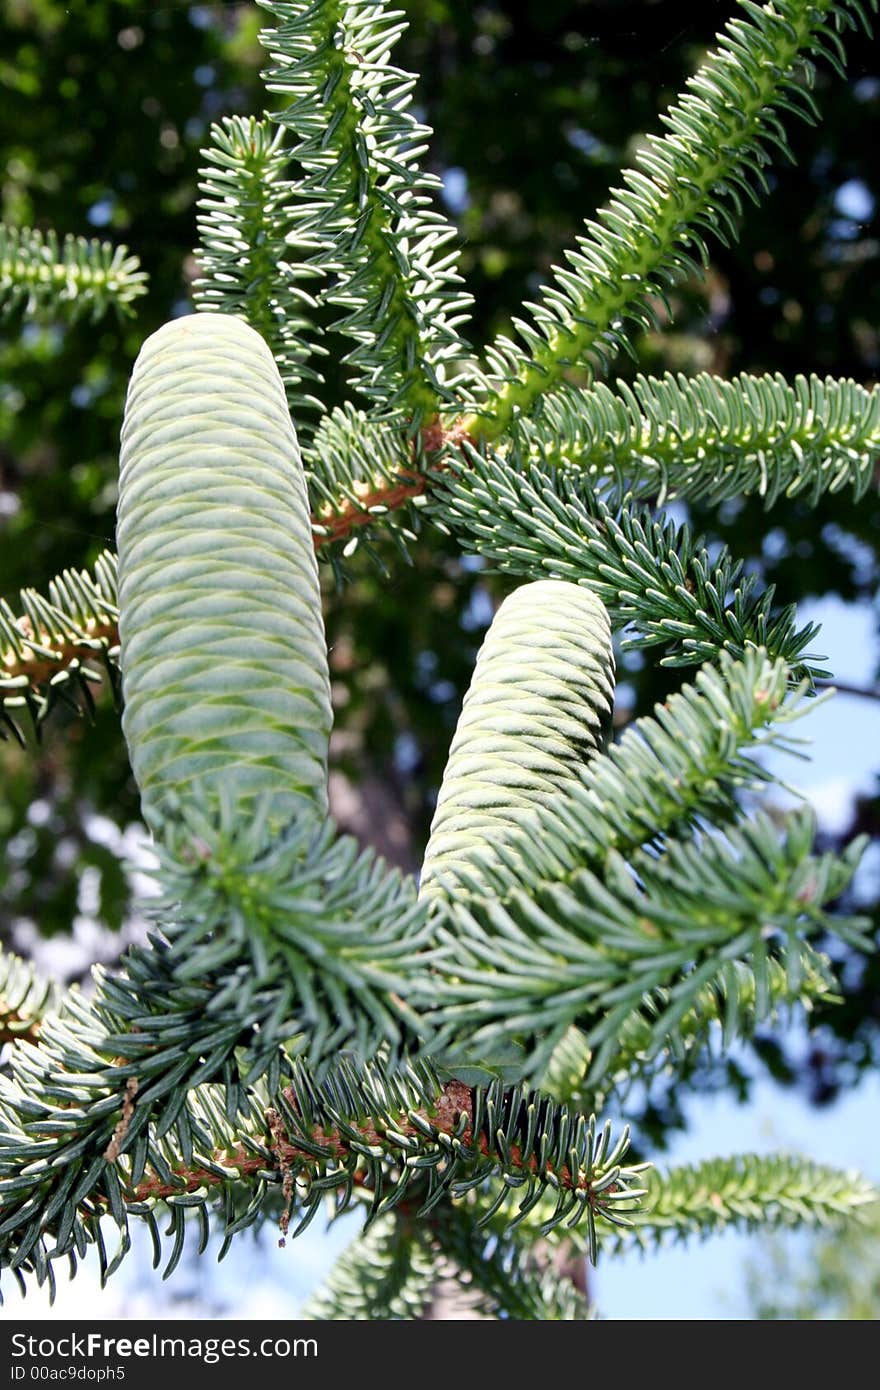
111	1153
40	668
293	1155
288	1172
843	688
336	522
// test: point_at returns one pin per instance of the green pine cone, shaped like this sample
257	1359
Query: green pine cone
539	706
223	653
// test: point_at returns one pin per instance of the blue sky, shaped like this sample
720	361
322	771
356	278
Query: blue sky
706	1280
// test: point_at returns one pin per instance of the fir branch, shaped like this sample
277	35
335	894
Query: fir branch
408	1141
329	937
58	646
254	251
388	1272
111	1077
504	1269
588	948
744	1192
709	439
25	999
78	1143
340	1132
685	767
734	1004
739	1000
653	576
359	144
43	276
687	183
361	472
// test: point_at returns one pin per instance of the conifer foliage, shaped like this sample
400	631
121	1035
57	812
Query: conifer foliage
307	1030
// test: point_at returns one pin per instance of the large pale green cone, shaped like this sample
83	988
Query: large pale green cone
539	706
224	659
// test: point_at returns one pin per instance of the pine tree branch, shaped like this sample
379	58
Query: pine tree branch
360	471
58	647
43	276
710	439
358	145
652	576
745	1192
307	1148
668	776
736	1003
388	1272
451	1115
25	999
79	1147
504	1270
253	250
661	921
333	940
720	137
296	942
